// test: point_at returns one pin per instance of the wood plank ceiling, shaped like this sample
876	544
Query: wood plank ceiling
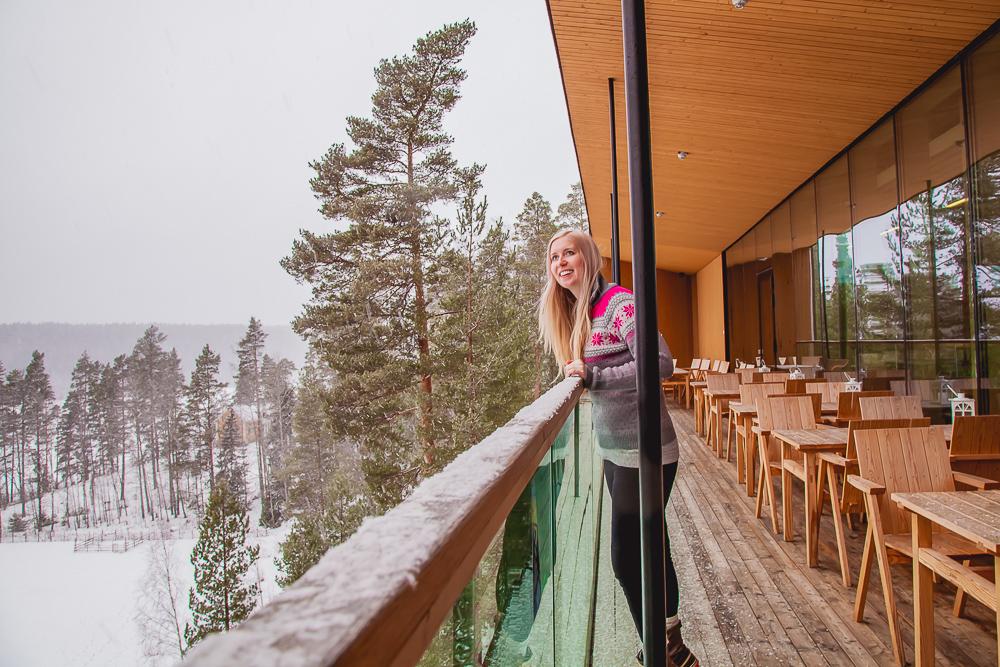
760	98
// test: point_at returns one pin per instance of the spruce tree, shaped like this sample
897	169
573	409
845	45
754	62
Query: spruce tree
202	408
249	390
221	599
231	460
572	213
373	282
39	412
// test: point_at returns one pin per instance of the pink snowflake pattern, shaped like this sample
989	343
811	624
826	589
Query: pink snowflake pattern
595	339
629	310
618	323
612	338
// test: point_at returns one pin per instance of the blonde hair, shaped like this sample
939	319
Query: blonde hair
563	320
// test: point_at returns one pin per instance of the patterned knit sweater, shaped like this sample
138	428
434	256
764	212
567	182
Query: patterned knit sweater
610	360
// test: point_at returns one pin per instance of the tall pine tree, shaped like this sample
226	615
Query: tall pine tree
373	282
202	408
249	391
231	460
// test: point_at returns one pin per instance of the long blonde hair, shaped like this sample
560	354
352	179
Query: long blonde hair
564	320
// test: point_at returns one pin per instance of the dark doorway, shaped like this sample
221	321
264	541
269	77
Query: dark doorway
768	341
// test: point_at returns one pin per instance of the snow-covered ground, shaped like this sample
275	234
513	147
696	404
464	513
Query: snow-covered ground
58	607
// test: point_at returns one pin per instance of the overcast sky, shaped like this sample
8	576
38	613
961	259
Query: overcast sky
153	155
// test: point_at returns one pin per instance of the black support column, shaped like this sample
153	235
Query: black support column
615	244
640	173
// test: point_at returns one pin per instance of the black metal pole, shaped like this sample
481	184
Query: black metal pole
640	174
615	245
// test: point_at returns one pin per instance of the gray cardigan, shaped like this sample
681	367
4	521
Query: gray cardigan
610	359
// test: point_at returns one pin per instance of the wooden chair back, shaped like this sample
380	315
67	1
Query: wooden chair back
715	366
836	376
774	376
849	406
903	460
975	446
829	391
746	375
890	407
850	497
817	402
705	364
810	361
723	366
749	393
784	412
695	363
723	382
795	386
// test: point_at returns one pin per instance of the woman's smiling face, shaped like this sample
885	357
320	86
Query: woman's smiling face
566	264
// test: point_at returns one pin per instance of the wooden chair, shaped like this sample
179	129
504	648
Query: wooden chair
800	386
778	412
746	375
845	500
811	361
719	385
774	376
723	366
890	407
749	393
849	406
675	385
975	449
829	391
899	461
836	376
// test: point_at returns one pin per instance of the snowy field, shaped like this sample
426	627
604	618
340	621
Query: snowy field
58	607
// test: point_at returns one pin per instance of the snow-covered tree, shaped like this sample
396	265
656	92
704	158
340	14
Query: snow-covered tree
231	460
158	613
202	408
249	391
221	597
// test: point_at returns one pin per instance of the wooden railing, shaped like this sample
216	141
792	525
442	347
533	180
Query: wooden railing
379	598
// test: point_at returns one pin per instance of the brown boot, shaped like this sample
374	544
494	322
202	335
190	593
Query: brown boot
678	654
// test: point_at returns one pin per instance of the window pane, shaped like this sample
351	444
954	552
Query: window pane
933	223
808	305
877	254
984	101
784	282
833	218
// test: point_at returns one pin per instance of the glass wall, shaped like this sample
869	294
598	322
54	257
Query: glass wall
887	263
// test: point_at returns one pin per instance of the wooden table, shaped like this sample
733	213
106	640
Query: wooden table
975	515
809	442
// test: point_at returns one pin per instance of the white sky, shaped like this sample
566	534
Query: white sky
153	156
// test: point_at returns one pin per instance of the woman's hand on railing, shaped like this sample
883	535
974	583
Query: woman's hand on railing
575	368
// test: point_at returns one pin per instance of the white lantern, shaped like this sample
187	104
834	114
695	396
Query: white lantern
962	407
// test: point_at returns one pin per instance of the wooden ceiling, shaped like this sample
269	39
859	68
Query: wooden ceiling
760	98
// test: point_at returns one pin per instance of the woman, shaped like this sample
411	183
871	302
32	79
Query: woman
589	326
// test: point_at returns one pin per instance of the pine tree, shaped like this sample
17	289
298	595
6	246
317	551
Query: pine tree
314	533
249	390
202	408
480	335
373	282
535	226
313	459
572	213
39	412
279	408
231	460
221	599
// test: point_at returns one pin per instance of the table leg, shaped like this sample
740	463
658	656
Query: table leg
750	455
809	461
687	390
923	596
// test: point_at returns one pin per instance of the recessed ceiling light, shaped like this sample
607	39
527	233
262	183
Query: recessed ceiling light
659	214
681	155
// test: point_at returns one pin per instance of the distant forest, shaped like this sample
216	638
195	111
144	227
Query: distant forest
63	343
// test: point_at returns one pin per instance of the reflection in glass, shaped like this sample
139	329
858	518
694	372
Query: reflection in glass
936	253
984	102
833	219
877	253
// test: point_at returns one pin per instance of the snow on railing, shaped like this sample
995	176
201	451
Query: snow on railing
380	597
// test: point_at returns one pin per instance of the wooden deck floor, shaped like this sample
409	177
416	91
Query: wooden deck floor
747	597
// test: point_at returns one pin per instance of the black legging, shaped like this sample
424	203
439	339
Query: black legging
626	554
